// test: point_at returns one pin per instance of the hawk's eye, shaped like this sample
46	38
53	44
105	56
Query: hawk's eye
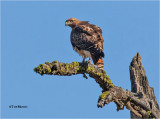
71	20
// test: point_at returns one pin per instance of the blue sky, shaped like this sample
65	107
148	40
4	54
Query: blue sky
35	32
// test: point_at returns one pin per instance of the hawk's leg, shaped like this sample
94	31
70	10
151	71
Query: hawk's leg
84	75
83	60
89	61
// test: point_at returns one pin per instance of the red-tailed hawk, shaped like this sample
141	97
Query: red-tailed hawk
87	40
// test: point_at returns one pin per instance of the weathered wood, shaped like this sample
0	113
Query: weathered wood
140	85
74	68
141	101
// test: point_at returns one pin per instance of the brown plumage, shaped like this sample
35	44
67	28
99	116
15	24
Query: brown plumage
87	40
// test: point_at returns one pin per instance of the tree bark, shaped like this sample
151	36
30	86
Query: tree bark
140	85
141	101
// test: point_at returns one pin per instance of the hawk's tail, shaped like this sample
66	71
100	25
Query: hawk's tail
98	61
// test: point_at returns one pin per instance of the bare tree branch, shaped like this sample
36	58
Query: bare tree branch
141	101
68	69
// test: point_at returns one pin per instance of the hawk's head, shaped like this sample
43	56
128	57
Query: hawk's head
72	22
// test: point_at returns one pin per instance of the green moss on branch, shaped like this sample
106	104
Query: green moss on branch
103	95
67	69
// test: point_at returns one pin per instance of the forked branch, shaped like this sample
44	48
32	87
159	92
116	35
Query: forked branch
137	103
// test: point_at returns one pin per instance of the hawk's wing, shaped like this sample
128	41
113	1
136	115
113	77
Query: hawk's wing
88	37
89	29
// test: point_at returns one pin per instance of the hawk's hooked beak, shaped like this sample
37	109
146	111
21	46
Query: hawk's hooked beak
67	23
